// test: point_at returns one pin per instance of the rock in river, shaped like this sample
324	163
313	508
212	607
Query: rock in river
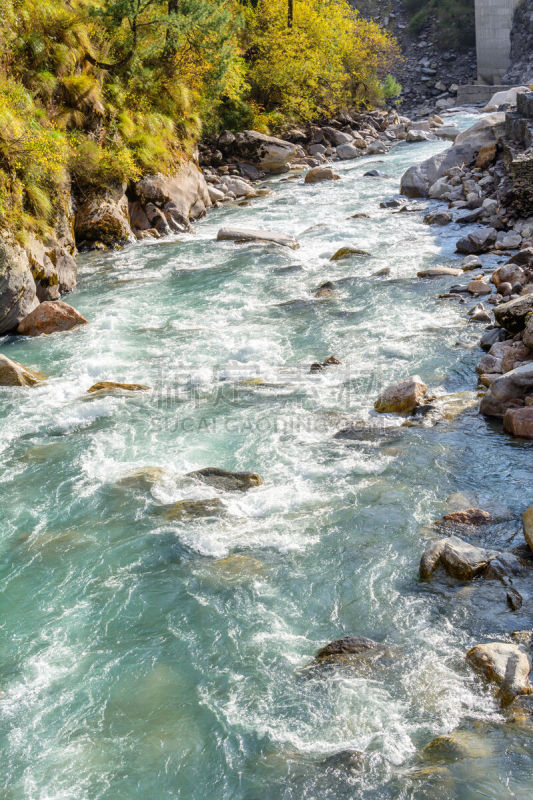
227	481
468	516
14	374
459	559
318	174
351	647
49	317
346	252
402	397
519	422
194	509
503	664
527	523
508	391
241	235
110	386
512	315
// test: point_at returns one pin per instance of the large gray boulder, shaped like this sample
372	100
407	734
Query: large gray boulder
18	293
418	179
181	197
513	315
104	218
508	391
266	152
458	558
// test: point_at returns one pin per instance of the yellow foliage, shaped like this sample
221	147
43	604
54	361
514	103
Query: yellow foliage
330	57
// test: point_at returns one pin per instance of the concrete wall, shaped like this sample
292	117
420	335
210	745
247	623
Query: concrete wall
494	20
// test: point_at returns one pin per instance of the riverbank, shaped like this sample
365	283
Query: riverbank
198	629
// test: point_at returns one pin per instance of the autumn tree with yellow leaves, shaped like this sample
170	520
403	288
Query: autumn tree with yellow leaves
95	92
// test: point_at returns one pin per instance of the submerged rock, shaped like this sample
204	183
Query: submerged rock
402	397
347	252
194	509
110	386
227	481
49	317
241	235
503	664
457	745
141	478
14	374
345	760
351	647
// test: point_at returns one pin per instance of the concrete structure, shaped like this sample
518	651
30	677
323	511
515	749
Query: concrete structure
494	21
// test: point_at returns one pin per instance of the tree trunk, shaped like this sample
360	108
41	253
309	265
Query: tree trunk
290	15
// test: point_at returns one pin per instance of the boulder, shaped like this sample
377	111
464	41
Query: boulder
402	397
194	509
479	287
318	174
227	481
478	241
350	647
509	273
467	516
104	218
347	252
14	374
505	665
182	196
507	97
238	186
527	523
242	235
417	180
527	336
348	151
439	189
111	386
335	136
18	293
438	218
49	317
513	314
458	558
517	353
508	241
52	265
519	422
267	152
508	391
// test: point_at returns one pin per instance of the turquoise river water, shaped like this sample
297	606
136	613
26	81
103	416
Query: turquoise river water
146	658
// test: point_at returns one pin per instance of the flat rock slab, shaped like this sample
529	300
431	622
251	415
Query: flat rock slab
438	272
242	235
227	481
111	386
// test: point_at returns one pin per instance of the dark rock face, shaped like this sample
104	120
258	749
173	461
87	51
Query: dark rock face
521	70
351	646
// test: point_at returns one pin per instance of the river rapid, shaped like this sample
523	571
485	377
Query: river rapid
144	657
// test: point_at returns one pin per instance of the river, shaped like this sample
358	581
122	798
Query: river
144	657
